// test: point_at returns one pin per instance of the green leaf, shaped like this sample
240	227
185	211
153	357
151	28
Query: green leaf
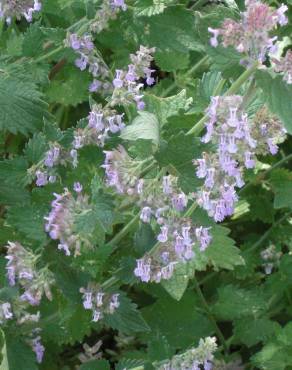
144	126
29	221
14	171
70	87
127	318
170	61
36	148
164	108
21	106
18	355
281	181
277	353
178	322
172	30
148	8
278	95
251	331
235	302
222	253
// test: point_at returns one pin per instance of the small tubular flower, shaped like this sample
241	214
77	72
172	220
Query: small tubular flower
101	123
127	86
99	302
61	221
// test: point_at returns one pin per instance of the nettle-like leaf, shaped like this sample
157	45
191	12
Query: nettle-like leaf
189	325
281	181
235	303
127	318
164	108
278	95
95	364
172	30
25	358
144	126
69	87
251	331
21	106
171	61
277	353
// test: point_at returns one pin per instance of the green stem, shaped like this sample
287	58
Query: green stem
210	316
125	230
232	90
189	73
267	233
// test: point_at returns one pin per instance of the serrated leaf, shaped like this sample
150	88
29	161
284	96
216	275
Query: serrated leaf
70	87
127	318
35	148
171	61
164	108
251	331
172	30
278	95
281	181
189	326
235	302
29	221
25	358
21	106
144	126
149	8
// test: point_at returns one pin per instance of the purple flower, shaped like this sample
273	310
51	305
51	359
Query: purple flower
77	187
38	348
95	85
118	82
163	236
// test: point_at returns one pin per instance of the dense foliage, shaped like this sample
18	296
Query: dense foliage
145	185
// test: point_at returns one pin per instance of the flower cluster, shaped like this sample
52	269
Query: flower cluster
88	58
270	258
122	172
21	268
163	205
99	302
109	10
45	170
161	202
237	140
285	66
127	85
251	35
197	358
101	122
61	221
19	8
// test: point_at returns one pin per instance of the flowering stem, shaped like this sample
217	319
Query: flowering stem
125	230
232	90
209	314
